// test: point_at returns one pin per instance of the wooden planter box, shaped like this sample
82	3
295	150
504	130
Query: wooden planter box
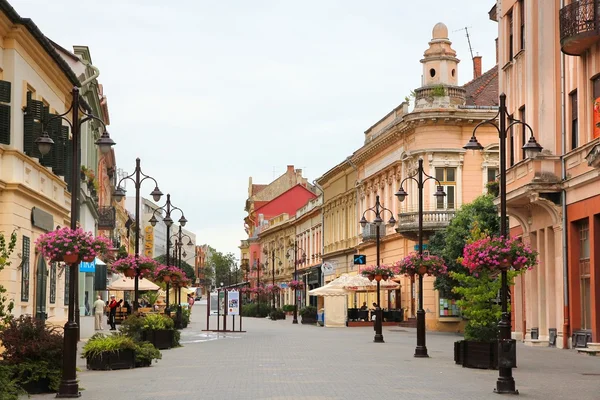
162	339
309	321
471	354
122	359
38	387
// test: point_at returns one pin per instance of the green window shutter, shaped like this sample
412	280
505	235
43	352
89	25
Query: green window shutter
4	124
59	149
5	112
68	162
32	126
5	91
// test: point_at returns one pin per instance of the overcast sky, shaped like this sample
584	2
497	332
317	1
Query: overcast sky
208	93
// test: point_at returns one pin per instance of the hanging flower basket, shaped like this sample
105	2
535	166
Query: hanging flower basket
497	254
378	272
127	266
296	285
414	264
168	274
66	244
272	289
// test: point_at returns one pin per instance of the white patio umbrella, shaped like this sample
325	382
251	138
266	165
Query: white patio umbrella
123	284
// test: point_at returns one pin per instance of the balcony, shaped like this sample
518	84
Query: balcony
579	26
408	222
106	218
369	232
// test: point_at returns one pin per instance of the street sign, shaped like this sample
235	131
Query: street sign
360	259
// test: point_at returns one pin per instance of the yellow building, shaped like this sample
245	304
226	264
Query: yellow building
436	130
35	82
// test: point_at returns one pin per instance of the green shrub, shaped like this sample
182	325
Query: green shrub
288	308
259	310
133	326
10	387
145	352
176	338
100	343
309	312
276	314
157	322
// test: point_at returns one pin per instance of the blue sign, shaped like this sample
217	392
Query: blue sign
87	266
424	247
360	259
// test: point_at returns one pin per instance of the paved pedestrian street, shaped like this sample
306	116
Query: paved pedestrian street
276	360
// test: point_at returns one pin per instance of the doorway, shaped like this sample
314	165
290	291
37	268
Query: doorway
40	289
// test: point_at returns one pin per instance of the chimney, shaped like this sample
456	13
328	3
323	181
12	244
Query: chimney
290	168
476	67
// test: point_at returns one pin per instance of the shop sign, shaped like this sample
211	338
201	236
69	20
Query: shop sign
41	219
149	241
87	266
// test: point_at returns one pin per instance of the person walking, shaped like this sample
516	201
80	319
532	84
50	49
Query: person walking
99	306
112	313
191	301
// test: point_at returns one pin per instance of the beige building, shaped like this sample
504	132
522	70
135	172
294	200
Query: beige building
551	76
35	82
440	124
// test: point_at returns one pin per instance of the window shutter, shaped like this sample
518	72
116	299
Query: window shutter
32	126
5	112
60	150
68	162
53	127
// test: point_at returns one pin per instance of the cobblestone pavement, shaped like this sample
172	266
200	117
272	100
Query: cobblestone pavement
275	360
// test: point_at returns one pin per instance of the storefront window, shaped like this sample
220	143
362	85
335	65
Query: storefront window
449	308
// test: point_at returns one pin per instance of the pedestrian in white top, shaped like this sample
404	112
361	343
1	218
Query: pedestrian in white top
99	306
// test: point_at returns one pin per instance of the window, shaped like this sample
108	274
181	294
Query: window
491	174
5	112
596	105
25	269
67	283
447	178
584	274
511	142
574	124
510	35
523	132
522	32
53	283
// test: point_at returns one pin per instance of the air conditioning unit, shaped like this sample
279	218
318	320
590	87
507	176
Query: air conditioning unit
369	232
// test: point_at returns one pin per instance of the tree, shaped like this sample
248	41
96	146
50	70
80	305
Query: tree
6	249
187	268
224	267
449	243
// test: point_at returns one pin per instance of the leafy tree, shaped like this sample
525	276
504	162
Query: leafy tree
223	266
187	268
449	243
6	305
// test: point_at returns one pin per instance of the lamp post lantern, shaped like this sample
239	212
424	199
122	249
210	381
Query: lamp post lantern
69	387
137	177
506	346
295	248
421	349
168	208
378	209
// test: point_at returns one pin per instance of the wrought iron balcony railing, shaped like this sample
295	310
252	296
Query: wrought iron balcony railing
106	217
408	223
579	26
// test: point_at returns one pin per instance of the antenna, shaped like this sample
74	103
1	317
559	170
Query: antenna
466	29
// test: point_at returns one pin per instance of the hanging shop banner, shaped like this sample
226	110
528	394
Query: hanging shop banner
214	304
233	303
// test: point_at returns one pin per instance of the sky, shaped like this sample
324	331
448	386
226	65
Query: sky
209	93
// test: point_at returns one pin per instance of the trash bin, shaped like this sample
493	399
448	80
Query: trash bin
321	317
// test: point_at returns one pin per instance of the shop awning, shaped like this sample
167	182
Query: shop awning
124	284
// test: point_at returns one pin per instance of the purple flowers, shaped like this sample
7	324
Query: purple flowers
56	244
496	254
127	266
296	285
383	270
414	264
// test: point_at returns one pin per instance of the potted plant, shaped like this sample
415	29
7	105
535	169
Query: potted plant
145	352
100	246
288	309
485	257
309	315
32	354
166	273
416	264
159	330
109	352
127	266
66	244
378	272
296	285
276	314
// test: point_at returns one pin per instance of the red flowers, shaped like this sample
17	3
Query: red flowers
495	254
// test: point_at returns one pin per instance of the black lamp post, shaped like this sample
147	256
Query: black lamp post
421	349
378	209
506	346
168	208
179	236
295	248
69	387
273	257
137	177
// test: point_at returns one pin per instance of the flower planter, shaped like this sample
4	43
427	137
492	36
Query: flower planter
308	321
378	277
38	387
89	258
471	354
385	277
130	273
422	270
71	258
121	359
166	278
162	339
371	277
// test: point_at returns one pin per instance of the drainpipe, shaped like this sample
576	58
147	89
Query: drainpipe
322	217
93	76
563	200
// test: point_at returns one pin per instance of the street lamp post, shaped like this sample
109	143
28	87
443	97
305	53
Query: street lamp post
137	177
168	208
69	387
421	349
296	248
179	236
378	209
506	346
273	257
